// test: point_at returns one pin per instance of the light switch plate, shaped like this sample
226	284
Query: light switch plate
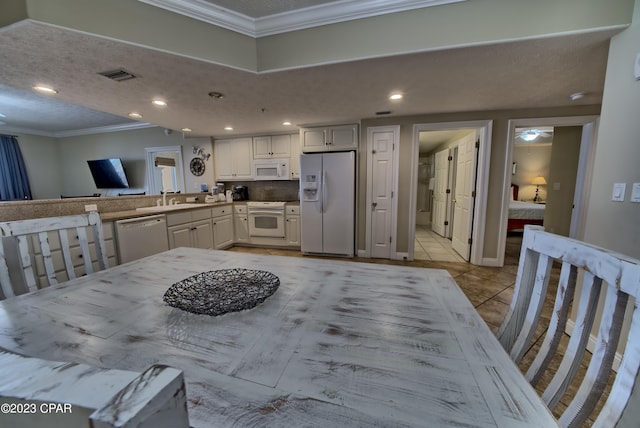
618	192
635	193
91	207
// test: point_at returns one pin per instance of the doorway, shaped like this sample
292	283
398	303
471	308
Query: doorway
450	164
564	191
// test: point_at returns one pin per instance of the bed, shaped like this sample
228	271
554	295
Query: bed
521	213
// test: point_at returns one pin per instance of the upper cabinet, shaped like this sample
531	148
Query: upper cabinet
329	138
233	159
294	160
272	147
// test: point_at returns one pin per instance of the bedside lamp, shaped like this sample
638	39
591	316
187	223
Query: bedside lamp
538	181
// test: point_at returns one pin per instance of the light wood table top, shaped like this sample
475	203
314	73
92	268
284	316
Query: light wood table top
339	343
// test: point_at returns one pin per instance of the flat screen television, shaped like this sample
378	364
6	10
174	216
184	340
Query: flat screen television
108	173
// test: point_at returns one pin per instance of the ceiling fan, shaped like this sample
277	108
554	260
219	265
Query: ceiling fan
531	134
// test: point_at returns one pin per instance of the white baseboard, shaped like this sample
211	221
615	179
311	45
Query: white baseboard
400	256
617	360
363	253
491	262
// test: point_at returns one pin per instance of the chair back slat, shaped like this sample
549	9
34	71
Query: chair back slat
605	287
40	232
577	344
5	280
46	256
66	253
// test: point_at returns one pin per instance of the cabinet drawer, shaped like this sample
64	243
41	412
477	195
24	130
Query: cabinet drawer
201	214
240	209
178	218
223	210
292	209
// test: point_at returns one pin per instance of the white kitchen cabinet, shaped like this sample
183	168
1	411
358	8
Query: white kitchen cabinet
292	225
272	147
190	228
233	159
240	224
329	138
222	222
294	160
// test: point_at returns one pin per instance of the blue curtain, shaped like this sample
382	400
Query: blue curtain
14	183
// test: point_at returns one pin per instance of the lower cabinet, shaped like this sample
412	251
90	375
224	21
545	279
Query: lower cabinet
240	224
191	228
222	226
292	225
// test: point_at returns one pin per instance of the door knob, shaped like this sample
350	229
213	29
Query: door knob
374	204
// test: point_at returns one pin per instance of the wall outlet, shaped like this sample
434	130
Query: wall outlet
191	199
91	207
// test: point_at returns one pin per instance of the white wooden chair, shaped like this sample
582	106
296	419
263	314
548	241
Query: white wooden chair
594	271
52	264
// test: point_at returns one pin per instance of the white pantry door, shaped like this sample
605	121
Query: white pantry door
463	199
440	195
381	193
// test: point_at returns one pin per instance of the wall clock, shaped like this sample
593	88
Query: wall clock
197	166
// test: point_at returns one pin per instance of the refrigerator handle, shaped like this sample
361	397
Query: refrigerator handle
324	191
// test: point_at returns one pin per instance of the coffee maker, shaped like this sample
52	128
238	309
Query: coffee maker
240	193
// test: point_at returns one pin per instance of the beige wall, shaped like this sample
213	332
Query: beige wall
615	225
59	166
531	160
42	159
561	181
496	172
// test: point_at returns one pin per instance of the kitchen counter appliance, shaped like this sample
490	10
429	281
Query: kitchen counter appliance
140	237
266	219
240	193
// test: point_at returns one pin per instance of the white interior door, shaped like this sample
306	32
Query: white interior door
382	146
463	197
440	196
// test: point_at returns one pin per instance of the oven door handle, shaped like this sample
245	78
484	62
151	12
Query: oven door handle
262	212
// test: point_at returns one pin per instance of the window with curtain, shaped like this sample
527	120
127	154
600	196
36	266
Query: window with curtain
14	182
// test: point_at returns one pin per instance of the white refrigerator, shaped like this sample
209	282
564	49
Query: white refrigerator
327	203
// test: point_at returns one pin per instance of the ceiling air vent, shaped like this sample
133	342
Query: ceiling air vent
119	75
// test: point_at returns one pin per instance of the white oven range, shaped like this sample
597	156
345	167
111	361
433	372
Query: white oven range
266	219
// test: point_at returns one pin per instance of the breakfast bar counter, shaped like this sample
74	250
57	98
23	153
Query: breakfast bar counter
338	344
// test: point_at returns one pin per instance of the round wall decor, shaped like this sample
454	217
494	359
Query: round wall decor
197	166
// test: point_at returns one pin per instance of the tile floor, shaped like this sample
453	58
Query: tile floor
433	247
489	289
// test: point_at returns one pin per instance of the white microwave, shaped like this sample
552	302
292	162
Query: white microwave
271	169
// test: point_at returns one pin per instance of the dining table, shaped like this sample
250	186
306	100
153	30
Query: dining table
338	344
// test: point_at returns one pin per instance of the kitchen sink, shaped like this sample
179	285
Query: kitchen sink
161	209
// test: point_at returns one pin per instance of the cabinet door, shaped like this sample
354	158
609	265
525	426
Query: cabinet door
241	228
342	137
243	148
202	234
293	230
294	160
312	139
262	147
223	153
222	232
180	236
281	146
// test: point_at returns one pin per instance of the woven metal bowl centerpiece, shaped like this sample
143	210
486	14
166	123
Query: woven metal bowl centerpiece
220	291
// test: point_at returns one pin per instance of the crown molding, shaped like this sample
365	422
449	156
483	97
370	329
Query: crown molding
77	132
324	14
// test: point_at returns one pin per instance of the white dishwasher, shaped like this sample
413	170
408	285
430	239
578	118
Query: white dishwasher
141	237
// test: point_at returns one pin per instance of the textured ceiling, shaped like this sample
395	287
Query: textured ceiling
525	74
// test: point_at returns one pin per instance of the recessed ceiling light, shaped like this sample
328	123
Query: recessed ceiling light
135	115
216	95
186	129
228	128
45	89
576	96
286	123
159	103
396	96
